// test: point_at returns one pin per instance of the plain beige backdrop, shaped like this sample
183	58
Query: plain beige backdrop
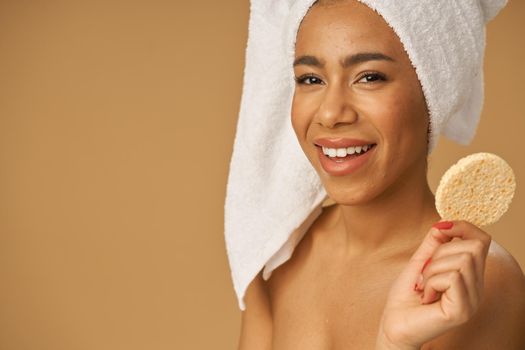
117	121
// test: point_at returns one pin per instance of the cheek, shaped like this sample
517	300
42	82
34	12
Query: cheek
300	116
295	118
402	120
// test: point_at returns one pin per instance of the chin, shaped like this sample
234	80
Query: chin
349	195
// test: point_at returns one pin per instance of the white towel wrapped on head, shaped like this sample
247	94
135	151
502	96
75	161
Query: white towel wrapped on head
273	193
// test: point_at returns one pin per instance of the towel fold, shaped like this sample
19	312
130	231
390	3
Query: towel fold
273	193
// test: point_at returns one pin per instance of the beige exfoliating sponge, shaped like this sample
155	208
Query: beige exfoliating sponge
477	189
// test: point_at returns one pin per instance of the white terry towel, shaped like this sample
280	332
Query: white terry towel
273	193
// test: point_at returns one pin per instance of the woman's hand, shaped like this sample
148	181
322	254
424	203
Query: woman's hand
449	292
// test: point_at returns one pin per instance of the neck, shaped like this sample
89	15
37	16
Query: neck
395	222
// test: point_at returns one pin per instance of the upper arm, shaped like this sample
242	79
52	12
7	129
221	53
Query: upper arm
499	322
256	324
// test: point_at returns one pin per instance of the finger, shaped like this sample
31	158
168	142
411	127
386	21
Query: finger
412	273
465	230
462	262
473	246
444	232
426	249
454	302
453	307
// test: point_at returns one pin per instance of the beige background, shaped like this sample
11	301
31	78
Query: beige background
117	120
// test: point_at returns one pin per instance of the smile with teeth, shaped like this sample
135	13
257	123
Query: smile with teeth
343	152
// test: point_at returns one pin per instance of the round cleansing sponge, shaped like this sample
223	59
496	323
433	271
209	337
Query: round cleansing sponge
477	189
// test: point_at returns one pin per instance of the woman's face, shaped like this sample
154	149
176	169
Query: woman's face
354	81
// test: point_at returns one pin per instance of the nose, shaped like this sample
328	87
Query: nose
336	108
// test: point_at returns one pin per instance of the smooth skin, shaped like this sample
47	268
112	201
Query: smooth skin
350	282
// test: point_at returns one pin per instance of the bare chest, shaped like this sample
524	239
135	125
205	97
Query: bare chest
328	305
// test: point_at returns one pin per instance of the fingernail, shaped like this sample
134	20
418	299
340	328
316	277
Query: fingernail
417	287
419	281
443	225
425	264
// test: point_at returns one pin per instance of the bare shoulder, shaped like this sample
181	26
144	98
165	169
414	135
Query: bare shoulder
504	285
502	266
500	319
256	321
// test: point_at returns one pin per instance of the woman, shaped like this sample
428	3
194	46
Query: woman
345	287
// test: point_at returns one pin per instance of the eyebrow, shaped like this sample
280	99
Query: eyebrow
346	62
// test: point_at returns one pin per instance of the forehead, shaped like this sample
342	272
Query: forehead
345	26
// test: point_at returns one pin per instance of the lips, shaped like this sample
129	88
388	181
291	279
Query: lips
341	142
348	164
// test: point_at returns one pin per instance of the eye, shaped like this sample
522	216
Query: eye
307	79
371	78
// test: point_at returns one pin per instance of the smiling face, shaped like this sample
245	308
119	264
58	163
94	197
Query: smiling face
355	81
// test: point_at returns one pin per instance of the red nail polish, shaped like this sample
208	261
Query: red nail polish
443	225
425	264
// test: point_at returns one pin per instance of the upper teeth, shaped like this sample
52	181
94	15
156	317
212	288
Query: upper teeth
342	152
